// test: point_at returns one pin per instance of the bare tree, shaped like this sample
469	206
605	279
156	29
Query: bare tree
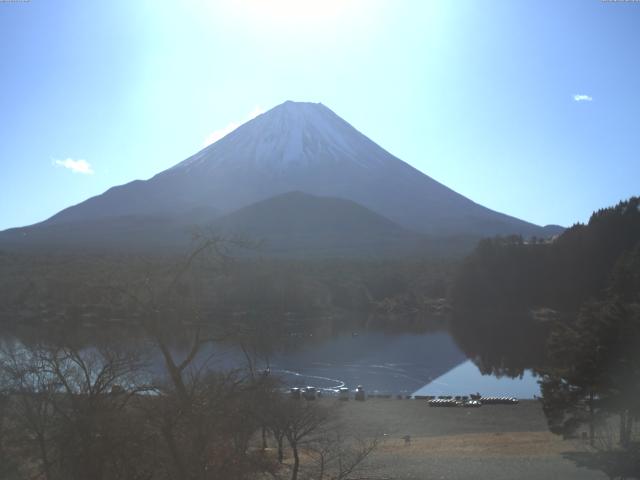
8	466
311	428
69	408
205	418
297	421
31	394
338	456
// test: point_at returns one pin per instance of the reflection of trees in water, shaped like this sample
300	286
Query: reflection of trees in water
501	343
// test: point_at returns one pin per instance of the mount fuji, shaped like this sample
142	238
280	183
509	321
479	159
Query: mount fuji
294	147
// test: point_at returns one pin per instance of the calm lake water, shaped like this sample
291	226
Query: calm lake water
422	364
466	378
407	363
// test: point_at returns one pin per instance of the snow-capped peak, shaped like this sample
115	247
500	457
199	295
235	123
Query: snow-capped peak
291	133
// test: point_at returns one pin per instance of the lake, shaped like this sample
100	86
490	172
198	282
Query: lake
422	364
393	363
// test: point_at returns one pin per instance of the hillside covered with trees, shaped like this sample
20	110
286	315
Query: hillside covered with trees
570	310
509	284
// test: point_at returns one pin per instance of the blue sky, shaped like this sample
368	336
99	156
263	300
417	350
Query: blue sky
479	95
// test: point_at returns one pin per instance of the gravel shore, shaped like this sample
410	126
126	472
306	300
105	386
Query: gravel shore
494	442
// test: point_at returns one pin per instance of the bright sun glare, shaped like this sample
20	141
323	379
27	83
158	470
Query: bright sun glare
303	11
300	13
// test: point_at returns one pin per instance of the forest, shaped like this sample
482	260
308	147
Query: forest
570	310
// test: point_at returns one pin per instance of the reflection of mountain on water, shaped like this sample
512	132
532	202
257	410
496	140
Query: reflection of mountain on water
391	363
384	362
466	378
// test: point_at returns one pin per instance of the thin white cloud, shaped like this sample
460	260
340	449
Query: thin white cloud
579	97
76	166
222	132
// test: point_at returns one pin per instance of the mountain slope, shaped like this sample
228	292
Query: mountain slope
299	223
126	233
290	224
300	147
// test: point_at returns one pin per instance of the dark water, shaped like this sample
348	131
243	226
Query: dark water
384	362
407	363
395	363
427	364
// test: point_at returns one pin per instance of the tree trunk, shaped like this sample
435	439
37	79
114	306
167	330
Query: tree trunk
296	462
280	449
176	375
629	426
44	457
591	421
624	428
178	464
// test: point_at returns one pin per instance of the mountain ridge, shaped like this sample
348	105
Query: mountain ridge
305	147
293	223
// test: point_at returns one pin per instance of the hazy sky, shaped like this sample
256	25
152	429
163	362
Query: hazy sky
531	108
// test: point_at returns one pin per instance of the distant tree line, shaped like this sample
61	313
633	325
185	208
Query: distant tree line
66	295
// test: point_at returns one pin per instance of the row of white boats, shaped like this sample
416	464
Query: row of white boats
343	393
